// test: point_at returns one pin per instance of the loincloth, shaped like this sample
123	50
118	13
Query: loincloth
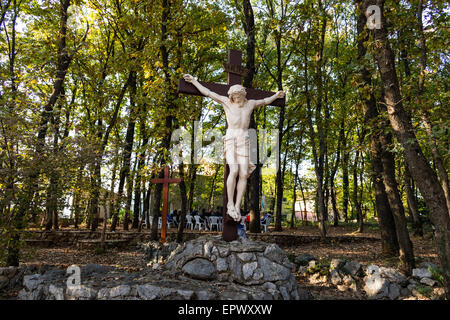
240	152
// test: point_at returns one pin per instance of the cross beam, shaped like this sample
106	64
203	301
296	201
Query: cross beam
165	181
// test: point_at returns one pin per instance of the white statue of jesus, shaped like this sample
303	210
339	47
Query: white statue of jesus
236	141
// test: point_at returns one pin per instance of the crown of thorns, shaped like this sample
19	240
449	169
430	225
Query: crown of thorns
237	88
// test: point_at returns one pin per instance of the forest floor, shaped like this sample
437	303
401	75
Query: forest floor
364	250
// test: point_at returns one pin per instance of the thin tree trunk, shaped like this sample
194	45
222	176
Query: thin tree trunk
356	203
412	204
183	195
395	202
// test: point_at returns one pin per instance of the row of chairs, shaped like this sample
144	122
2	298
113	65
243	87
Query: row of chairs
194	222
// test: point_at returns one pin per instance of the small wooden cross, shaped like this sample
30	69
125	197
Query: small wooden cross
165	181
235	72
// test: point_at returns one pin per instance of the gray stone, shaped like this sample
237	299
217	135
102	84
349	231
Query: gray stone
335	278
372	269
186	294
207	247
313	264
204	295
258	274
148	292
273	271
336	264
193	249
80	292
428	282
223	251
274	253
233	295
284	293
235	267
248	269
122	290
56	292
261	296
200	268
269	286
394	291
352	267
32	281
246	256
421	273
303	259
376	287
36	294
23	295
393	275
221	264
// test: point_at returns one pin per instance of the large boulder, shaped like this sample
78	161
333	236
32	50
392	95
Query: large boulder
421	273
200	268
376	286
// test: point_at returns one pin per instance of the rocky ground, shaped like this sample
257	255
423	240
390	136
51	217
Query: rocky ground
336	285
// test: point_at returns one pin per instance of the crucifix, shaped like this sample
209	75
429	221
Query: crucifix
238	103
165	181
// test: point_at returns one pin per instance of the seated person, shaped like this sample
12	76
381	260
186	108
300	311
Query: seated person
265	217
241	230
173	216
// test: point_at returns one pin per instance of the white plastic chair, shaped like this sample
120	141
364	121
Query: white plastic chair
198	223
189	222
265	223
214	221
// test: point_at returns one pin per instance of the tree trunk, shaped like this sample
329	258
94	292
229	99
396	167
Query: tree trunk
421	171
389	242
345	184
395	202
356	203
183	195
412	204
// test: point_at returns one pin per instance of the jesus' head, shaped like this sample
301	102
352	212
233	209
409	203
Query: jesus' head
237	94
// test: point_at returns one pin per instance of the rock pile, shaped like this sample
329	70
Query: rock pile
204	268
372	281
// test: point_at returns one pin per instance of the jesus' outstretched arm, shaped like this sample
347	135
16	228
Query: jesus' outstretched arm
268	100
205	91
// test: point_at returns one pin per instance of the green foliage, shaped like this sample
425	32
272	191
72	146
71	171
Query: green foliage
324	123
425	290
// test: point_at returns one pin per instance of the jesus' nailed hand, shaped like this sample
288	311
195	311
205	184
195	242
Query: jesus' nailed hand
236	141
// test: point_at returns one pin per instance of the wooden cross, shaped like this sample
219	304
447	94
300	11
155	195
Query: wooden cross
235	72
165	181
